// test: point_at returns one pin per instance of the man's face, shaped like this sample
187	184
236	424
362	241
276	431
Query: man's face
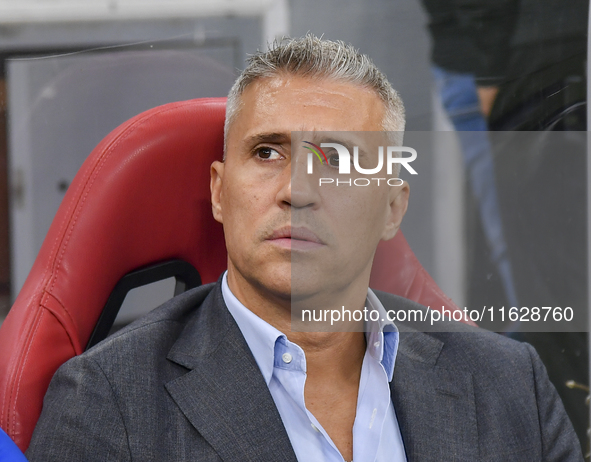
286	235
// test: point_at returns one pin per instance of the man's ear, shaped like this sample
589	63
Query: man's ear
398	203
215	186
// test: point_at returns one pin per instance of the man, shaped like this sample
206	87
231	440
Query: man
218	374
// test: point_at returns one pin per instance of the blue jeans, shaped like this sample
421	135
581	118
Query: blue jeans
460	101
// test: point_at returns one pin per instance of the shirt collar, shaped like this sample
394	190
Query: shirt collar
382	336
259	335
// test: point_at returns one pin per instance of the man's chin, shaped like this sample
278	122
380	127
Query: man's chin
306	295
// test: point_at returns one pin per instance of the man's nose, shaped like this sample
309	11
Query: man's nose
300	189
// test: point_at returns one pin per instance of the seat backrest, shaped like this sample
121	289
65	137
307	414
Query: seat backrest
397	270
141	197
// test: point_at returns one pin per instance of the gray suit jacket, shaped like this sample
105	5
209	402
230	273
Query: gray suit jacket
182	385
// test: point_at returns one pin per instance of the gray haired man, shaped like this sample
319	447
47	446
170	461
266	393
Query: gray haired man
218	373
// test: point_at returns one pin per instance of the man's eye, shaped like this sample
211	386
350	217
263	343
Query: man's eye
333	160
267	154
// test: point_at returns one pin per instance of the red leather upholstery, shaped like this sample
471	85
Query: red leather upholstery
142	196
397	270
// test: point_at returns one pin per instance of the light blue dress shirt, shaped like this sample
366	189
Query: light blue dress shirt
376	435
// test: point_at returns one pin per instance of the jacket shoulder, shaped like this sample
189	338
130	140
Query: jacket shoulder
154	332
455	344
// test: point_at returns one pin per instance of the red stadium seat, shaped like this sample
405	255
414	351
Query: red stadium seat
142	197
397	270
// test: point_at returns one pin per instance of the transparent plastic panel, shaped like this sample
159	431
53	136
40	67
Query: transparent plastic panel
521	219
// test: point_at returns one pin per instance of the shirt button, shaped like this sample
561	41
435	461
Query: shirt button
286	358
315	428
377	344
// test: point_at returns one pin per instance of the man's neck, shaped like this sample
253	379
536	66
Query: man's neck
331	355
336	353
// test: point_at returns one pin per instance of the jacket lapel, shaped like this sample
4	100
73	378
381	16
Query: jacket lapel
434	406
223	394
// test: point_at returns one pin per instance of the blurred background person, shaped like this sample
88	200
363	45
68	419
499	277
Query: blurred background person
456	62
518	65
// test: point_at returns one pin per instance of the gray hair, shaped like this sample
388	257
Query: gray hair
312	57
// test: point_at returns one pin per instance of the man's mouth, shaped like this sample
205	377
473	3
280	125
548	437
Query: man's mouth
295	238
